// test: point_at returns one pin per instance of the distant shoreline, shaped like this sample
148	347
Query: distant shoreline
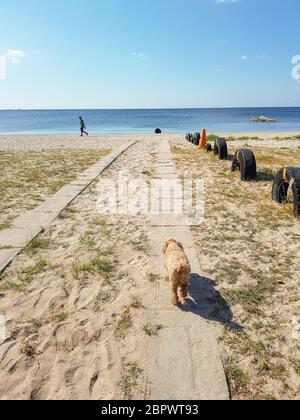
237	134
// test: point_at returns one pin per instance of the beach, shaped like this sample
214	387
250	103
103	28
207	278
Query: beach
149	203
21	142
77	299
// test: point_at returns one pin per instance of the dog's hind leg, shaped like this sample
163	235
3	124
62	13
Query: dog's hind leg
184	292
175	300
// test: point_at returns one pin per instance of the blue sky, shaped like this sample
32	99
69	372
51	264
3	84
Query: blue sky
148	53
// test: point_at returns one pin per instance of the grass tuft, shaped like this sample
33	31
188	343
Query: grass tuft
36	245
129	380
152	330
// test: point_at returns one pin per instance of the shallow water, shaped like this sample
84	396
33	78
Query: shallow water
145	121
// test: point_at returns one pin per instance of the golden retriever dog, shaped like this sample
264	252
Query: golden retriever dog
178	268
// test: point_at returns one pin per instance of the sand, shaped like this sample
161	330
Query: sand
72	141
73	303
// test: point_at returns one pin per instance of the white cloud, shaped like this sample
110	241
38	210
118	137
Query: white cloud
11	57
140	56
244	57
15	56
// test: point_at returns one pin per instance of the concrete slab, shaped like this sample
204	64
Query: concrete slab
41	219
179	361
160	220
54	205
6	257
80	182
68	191
166	176
19	237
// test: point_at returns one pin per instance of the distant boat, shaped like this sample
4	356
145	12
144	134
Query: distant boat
262	119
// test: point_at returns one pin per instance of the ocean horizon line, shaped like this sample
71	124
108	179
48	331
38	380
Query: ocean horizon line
149	109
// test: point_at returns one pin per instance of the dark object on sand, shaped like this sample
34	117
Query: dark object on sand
220	148
197	137
286	179
208	147
158	131
244	161
190	138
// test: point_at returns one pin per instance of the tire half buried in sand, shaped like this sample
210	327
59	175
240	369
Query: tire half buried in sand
285	179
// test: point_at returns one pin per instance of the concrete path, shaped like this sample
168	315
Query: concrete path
183	362
30	224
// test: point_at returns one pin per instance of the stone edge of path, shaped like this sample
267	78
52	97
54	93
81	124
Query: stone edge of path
30	224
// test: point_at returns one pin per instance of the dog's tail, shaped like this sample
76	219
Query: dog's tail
182	268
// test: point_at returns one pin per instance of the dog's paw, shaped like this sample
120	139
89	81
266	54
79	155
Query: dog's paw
175	301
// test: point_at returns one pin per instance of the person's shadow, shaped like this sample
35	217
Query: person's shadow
206	302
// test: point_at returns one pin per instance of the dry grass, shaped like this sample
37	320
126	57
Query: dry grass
27	178
124	325
98	265
20	279
59	317
36	245
152	330
248	244
129	379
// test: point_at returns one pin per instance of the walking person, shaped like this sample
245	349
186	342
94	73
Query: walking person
82	127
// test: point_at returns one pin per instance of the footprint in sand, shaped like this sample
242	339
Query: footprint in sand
93	381
296	327
69	376
107	356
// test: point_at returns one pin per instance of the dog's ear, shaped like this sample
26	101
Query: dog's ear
165	247
180	245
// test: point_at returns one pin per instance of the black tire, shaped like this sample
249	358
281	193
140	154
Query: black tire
280	188
284	179
216	150
208	147
220	149
244	161
197	137
158	131
188	137
235	163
